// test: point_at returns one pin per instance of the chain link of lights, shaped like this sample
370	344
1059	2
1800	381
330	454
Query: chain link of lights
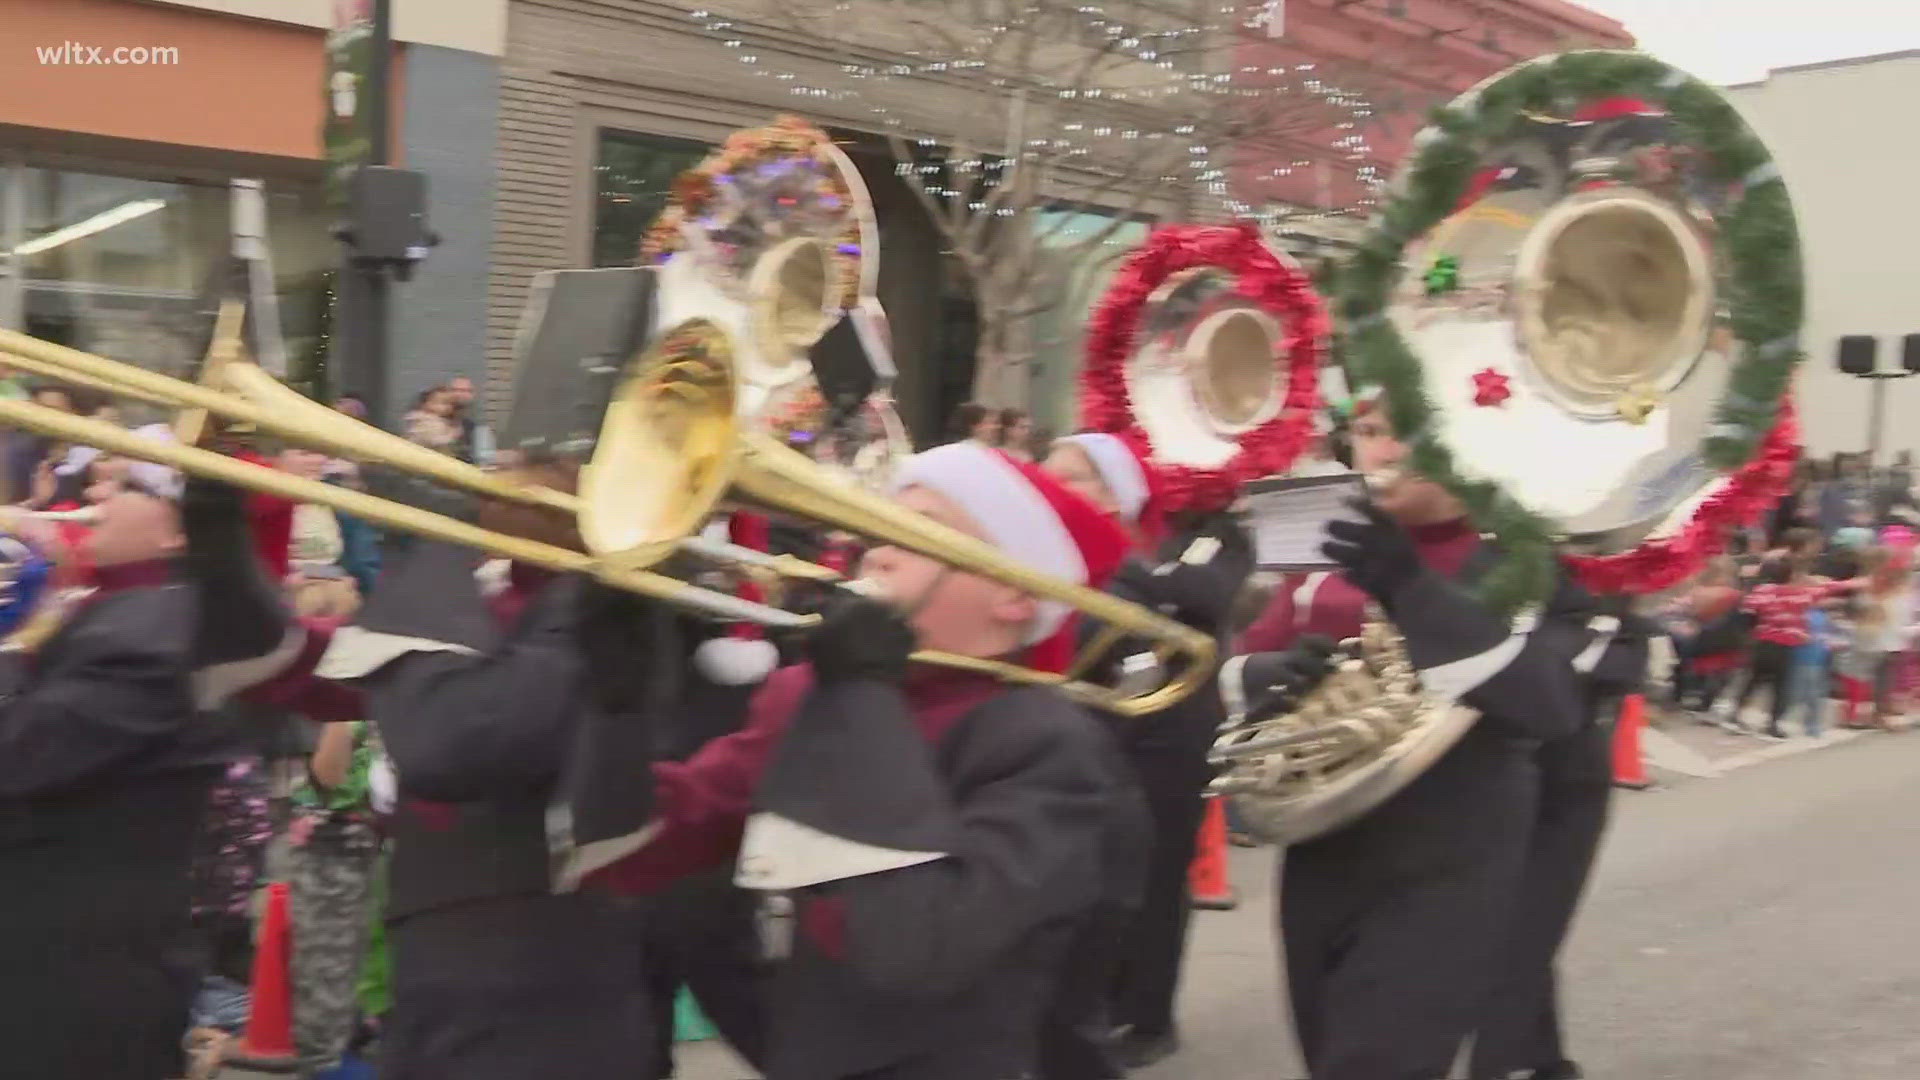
1166	104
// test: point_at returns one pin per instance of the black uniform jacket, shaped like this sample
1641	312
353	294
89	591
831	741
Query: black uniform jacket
103	782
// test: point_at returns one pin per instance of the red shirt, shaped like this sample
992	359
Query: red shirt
1783	609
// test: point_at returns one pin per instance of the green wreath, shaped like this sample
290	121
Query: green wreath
1764	289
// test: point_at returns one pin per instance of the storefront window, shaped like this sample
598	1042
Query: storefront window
304	251
632	176
1077	264
115	266
125	268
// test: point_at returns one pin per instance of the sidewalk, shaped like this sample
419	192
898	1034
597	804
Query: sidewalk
1679	747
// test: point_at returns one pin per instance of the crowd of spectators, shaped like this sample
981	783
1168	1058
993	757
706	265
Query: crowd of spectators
1814	605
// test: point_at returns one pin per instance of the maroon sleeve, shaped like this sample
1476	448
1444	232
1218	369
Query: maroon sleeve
298	690
1276	627
701	804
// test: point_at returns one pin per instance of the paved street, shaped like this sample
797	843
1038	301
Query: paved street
1748	927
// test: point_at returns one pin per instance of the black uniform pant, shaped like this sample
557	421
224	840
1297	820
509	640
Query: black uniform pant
1074	1042
1521	1029
1149	974
1393	926
517	987
700	934
1771	665
98	960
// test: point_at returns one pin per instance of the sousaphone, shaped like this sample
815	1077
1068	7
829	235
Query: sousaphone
773	239
1204	355
1581	304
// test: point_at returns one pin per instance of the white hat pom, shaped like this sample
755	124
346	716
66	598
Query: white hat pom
731	661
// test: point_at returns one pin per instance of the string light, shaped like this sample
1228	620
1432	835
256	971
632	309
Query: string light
1152	91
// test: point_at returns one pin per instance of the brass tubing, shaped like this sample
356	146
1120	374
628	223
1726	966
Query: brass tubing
384	512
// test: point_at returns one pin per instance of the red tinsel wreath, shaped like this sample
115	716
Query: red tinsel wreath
1279	289
1749	493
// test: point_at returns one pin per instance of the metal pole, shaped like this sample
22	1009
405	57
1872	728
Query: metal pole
379	83
1877	416
250	247
364	288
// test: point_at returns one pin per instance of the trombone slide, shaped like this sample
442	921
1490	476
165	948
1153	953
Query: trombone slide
398	516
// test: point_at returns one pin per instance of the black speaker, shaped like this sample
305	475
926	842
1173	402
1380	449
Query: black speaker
1859	354
1910	353
387	219
577	334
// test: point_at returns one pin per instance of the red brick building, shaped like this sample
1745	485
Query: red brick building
1404	57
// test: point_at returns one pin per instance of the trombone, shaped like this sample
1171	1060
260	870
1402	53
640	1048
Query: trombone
256	399
671	453
672	450
241	393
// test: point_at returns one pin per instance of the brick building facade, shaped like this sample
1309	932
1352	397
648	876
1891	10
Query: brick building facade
1405	57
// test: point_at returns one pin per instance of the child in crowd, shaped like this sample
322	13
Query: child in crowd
227	866
333	852
1812	679
1883	611
1709	634
318	583
1780	603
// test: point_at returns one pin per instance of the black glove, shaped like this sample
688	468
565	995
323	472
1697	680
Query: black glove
629	645
1198	575
861	638
1377	554
1273	683
803	598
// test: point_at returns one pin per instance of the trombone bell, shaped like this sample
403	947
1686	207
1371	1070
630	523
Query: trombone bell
671	452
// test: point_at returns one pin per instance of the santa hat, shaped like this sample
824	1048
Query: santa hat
1031	518
744	655
1131	481
151	478
1119	468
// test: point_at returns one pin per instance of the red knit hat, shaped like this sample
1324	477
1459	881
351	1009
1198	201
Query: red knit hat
1033	519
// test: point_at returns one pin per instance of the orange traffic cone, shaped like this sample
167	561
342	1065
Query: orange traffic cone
1207	881
1629	766
268	1043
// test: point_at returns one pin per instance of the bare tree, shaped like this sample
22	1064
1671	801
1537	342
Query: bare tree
1011	120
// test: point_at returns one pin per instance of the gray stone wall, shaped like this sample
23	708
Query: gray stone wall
449	131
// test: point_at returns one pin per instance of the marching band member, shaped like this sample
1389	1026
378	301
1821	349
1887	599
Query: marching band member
1192	575
925	840
481	708
1519	1036
107	756
1393	924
